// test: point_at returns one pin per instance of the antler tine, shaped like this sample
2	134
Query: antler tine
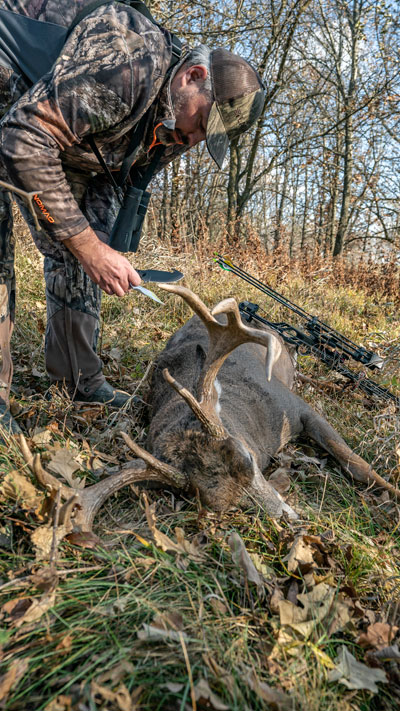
211	422
167	474
224	338
46	480
145	469
193	300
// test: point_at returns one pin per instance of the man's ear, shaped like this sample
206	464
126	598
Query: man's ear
196	73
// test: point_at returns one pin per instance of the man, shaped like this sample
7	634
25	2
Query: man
112	71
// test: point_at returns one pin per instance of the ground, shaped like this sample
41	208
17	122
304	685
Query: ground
178	607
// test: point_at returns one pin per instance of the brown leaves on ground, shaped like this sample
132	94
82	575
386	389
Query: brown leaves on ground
206	698
25	610
165	626
65	462
120	698
379	635
192	550
354	674
17	487
242	559
10	679
106	691
322	607
275	698
306	553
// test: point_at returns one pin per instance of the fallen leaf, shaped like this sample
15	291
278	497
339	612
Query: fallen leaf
322	657
149	633
42	539
167	544
191	548
117	673
280	480
24	610
242	559
354	674
386	653
37	609
45	579
174	687
266	571
38	373
65	645
276	698
115	354
60	703
378	635
18	488
167	625
121	696
300	556
64	462
16	671
319	605
276	597
84	539
41	436
205	697
218	606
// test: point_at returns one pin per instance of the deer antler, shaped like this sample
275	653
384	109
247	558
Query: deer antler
223	338
83	504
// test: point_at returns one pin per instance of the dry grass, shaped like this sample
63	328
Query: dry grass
224	630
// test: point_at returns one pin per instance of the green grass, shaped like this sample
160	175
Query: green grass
104	596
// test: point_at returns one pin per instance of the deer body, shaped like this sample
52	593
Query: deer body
258	416
259	413
223	405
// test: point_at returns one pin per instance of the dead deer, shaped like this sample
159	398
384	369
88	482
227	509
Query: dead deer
223	406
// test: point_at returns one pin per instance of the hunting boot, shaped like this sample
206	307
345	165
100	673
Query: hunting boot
106	394
7	422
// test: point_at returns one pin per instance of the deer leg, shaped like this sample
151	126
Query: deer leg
323	434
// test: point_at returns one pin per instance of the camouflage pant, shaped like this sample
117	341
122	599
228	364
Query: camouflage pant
73	300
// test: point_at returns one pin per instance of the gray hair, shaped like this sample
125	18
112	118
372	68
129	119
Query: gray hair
200	55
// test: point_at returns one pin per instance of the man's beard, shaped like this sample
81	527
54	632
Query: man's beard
179	103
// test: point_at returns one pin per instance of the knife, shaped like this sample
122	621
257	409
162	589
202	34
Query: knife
155	275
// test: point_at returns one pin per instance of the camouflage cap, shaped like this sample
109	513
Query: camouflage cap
238	96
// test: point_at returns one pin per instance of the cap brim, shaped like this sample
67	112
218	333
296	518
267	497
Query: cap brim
216	138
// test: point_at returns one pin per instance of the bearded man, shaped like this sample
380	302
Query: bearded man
114	103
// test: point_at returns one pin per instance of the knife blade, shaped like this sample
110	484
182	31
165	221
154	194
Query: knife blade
157	275
146	292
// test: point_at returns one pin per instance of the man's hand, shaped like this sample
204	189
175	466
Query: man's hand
106	267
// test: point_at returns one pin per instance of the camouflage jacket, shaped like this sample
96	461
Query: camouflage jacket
111	70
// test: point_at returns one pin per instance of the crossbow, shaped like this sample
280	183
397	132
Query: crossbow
317	338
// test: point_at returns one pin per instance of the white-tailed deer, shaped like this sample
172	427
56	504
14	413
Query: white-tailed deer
222	406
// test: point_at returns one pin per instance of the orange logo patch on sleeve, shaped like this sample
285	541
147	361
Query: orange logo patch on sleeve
45	212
